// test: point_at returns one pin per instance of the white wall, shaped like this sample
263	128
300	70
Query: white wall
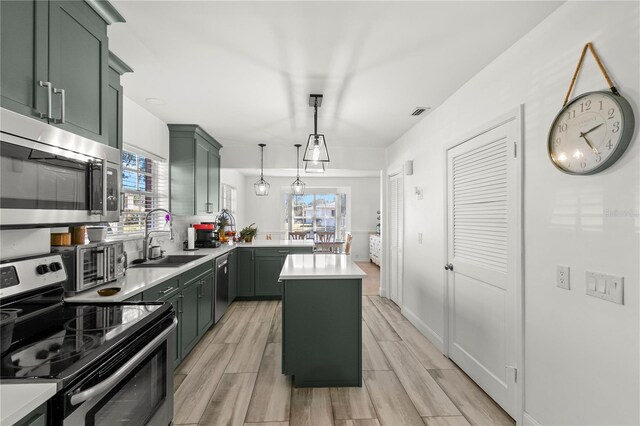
581	353
144	130
267	212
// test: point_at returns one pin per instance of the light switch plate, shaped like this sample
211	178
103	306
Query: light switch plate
562	277
419	237
605	286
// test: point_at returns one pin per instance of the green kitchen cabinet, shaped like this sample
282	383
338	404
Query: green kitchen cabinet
233	275
267	273
115	93
174	299
189	317
194	170
24	43
245	272
205	303
78	68
37	417
54	63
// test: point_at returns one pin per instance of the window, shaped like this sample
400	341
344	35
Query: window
144	187
317	212
229	199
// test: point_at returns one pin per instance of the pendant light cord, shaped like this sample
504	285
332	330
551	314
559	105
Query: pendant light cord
315	117
298	162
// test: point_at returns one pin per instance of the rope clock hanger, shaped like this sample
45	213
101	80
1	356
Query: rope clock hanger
592	130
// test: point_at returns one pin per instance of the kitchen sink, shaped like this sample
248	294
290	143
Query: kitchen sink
171	261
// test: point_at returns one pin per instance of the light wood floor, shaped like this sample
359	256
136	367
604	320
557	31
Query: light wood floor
370	283
233	377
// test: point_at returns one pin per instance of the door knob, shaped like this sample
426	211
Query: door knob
448	267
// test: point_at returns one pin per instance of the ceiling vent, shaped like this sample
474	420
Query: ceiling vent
419	111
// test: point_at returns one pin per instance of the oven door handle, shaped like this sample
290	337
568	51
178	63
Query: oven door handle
112	380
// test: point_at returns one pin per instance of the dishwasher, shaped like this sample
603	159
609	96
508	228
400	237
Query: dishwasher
222	286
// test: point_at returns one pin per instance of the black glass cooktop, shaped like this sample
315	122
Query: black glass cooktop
49	345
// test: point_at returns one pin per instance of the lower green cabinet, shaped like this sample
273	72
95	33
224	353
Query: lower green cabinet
205	304
267	273
245	272
189	317
174	299
37	417
192	297
233	275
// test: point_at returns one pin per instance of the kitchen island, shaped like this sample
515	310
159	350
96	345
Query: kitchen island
322	320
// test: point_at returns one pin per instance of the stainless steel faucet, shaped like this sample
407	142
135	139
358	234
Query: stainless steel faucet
145	245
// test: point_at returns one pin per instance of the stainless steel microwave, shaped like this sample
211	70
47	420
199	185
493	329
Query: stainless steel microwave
49	176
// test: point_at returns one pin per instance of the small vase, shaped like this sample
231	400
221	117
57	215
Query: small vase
248	239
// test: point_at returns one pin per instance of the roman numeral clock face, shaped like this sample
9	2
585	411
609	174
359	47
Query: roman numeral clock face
590	133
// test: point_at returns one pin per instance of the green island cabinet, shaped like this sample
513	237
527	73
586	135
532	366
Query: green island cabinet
259	270
322	332
37	417
194	168
114	100
191	295
64	45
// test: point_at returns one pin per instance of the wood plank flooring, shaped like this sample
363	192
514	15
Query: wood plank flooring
233	377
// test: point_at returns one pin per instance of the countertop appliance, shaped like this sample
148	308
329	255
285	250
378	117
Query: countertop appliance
91	265
49	176
206	236
221	286
112	363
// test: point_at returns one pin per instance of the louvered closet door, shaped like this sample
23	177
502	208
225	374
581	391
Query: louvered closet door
481	178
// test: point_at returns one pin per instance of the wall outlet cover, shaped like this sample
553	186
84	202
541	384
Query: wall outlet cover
562	277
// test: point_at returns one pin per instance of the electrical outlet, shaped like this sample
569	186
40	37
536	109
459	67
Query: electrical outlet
419	237
562	277
606	287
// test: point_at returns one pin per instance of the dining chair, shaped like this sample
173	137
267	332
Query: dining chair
347	243
297	235
325	237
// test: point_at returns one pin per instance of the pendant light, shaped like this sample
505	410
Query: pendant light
297	187
262	186
316	149
314	167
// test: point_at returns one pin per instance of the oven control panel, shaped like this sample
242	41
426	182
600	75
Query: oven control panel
18	276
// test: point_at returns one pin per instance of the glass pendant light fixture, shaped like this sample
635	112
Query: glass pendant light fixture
297	187
316	150
314	167
262	186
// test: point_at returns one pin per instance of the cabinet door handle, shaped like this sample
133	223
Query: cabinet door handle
180	304
283	251
46	84
166	290
209	207
62	105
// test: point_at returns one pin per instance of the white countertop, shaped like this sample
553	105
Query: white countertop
319	267
139	279
17	399
278	243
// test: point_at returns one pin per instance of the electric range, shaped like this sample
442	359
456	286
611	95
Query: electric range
112	363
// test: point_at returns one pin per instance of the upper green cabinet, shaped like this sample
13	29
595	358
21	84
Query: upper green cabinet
55	62
194	170
114	100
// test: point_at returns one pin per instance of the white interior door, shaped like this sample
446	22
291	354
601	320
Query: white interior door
395	238
483	251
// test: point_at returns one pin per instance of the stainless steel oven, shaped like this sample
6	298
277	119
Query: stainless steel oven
92	264
135	387
50	176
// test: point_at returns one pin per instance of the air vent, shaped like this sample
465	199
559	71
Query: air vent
419	110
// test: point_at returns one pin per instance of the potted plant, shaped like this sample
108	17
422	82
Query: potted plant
248	233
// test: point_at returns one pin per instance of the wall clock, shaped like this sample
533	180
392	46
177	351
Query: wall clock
592	131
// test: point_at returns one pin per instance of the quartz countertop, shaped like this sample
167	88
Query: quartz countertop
18	400
139	279
320	267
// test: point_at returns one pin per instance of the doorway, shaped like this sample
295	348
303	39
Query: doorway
396	224
484	259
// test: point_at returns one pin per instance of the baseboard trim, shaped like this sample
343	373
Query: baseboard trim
527	420
431	335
